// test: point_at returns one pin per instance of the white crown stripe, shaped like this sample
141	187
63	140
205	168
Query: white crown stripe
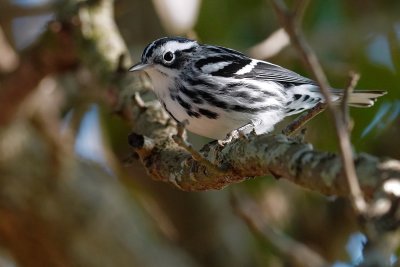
175	45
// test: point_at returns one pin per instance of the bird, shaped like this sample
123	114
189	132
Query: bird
219	92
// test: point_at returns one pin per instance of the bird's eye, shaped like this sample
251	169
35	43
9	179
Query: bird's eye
168	57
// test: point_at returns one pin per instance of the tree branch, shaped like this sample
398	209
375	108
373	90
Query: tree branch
242	159
48	56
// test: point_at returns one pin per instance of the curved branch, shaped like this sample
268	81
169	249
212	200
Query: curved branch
279	155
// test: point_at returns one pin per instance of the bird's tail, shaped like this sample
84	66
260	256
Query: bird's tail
364	98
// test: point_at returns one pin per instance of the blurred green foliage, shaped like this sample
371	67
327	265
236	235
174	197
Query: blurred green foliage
238	24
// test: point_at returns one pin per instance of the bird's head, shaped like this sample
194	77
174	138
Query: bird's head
166	56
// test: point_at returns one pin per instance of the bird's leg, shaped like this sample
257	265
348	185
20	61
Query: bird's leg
303	119
180	139
240	132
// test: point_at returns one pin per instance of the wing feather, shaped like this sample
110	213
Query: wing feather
240	66
271	72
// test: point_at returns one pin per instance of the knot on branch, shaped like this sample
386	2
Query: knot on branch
136	140
141	144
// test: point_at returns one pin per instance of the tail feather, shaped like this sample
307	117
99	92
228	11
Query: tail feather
306	97
364	98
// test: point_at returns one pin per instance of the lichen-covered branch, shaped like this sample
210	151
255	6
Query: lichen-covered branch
281	156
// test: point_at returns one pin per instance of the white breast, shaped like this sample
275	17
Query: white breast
218	128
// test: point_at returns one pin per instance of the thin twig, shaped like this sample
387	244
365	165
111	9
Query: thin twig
139	101
293	29
299	122
354	77
180	139
299	9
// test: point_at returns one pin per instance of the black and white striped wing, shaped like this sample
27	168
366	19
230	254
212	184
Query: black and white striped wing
225	62
262	70
253	81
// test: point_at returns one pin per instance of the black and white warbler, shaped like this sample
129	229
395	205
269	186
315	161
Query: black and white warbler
218	91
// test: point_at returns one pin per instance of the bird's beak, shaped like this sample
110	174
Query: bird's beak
139	66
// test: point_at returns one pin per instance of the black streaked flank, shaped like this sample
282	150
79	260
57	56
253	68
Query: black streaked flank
208	113
212	100
306	97
241	108
196	81
184	104
191	94
247	97
193	113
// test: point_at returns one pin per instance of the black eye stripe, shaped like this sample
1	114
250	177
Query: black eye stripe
176	63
